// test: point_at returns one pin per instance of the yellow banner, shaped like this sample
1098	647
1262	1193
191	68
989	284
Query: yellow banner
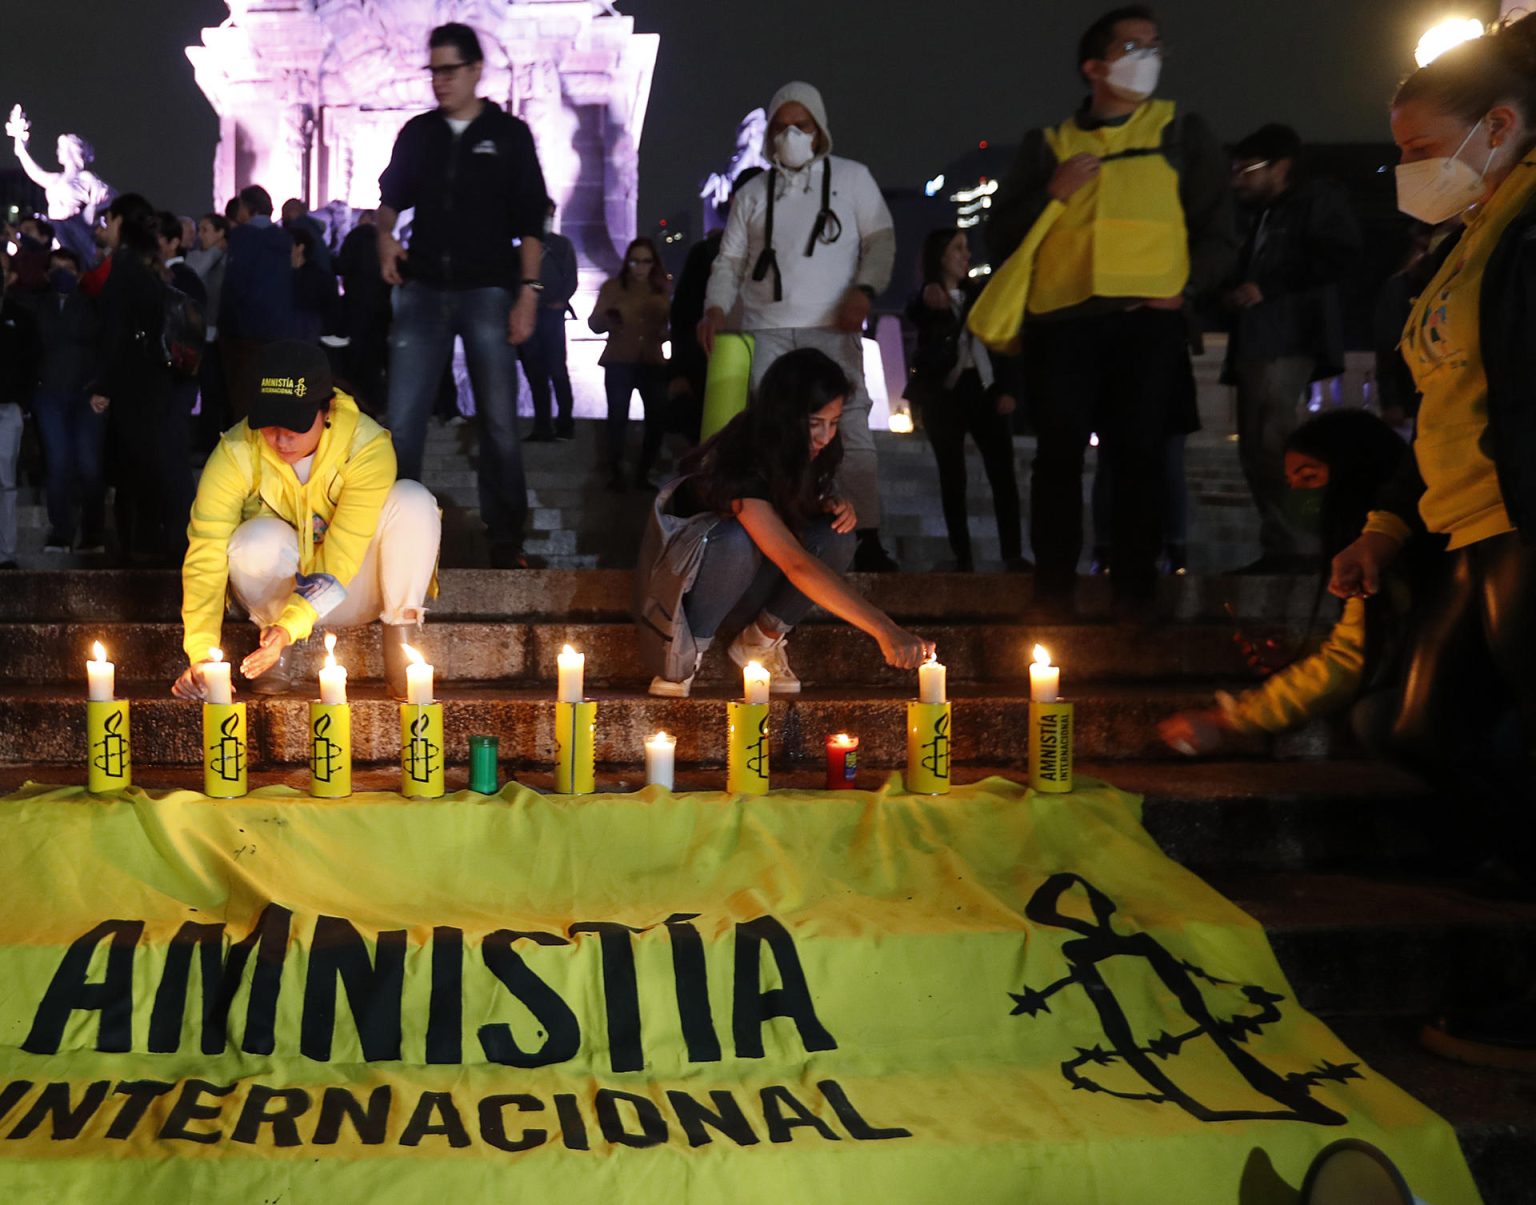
847	996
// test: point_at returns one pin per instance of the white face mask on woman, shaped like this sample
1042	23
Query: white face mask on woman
1134	76
793	147
1436	190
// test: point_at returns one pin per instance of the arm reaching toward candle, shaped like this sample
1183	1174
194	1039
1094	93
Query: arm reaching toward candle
191	685
274	640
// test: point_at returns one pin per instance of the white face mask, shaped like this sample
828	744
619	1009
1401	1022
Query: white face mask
794	148
1134	76
1436	190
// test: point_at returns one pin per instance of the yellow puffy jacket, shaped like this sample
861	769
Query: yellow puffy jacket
1123	233
1315	686
335	516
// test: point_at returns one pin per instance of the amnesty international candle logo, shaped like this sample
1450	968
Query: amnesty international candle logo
325	758
936	751
757	751
110	754
1143	1067
423	757
228	760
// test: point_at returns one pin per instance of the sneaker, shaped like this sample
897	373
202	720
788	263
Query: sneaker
565	432
870	555
514	558
1018	564
772	657
1098	563
539	435
664	688
1178	559
93	542
56	543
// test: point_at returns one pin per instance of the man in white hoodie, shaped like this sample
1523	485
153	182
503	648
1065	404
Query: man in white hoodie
807	247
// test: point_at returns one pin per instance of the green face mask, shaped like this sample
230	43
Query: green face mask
1304	509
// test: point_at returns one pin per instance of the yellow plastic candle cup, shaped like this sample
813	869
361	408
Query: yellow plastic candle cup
746	767
575	747
1050	747
109	754
330	750
421	750
225	750
928	748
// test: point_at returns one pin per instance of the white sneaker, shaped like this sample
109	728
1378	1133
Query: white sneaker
772	657
665	688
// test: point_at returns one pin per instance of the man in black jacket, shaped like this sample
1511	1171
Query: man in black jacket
18	370
470	171
1285	323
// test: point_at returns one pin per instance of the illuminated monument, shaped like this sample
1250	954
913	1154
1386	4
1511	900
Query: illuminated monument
310	95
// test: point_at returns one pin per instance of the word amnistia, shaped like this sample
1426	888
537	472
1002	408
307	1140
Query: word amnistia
373	983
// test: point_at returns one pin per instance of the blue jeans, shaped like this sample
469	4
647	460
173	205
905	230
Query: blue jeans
543	359
619	382
738	582
72	435
426	319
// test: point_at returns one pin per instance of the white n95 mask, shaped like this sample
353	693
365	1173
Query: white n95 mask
1436	190
793	147
1134	76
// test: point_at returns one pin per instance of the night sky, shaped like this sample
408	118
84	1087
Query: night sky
908	85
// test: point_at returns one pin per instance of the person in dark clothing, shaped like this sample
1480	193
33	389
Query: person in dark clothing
72	434
314	288
471	173
296	217
29	266
690	366
1105	336
136	389
173	258
18	372
543	356
257	303
957	392
365	306
1284	319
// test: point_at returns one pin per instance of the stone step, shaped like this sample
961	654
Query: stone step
47	724
155	595
824	654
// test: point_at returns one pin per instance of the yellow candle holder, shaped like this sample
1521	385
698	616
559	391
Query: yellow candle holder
1050	747
421	750
928	748
225	750
746	766
575	747
108	756
330	750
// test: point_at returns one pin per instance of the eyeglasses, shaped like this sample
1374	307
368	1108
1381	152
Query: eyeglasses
445	70
1246	169
1132	46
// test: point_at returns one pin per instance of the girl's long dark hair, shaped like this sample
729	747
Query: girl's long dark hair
140	232
931	262
656	277
769	443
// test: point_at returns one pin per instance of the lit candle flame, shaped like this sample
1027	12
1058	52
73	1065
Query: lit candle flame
215	654
1042	655
663	736
842	740
330	650
414	657
568	651
98	652
932	658
754	668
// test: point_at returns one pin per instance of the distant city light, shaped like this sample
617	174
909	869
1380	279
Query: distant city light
982	145
1453	31
931	189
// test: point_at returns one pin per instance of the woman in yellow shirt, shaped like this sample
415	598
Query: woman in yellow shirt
1466	127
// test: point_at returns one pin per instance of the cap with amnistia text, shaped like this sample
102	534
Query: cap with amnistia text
294	382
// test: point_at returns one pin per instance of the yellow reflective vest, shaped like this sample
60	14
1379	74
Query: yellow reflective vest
1122	234
335	516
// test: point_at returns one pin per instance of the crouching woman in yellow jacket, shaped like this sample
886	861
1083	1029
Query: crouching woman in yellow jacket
299	515
1335	466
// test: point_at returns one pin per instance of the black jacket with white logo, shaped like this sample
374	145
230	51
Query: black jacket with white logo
473	194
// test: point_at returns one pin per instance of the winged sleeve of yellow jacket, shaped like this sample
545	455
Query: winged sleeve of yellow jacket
1315	686
334	516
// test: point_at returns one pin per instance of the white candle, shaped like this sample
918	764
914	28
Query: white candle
333	677
754	682
216	678
930	681
1044	678
660	760
100	676
572	667
418	677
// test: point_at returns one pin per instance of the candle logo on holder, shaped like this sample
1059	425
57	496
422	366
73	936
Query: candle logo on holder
325	760
936	752
757	751
422	758
228	751
110	754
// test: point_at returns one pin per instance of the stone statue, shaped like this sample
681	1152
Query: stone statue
74	192
716	191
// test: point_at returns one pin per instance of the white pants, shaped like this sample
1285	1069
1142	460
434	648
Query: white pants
391	584
859	476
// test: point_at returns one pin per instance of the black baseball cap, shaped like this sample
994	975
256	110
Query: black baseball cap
294	383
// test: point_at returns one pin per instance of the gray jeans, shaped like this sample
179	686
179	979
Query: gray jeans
1269	400
10	453
737	582
859	477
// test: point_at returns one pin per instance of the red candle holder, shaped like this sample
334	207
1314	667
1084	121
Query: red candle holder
842	761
